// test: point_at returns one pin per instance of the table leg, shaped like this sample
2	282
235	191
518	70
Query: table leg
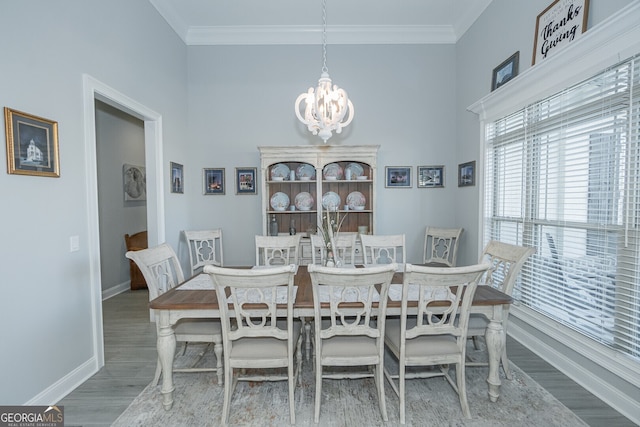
166	349
307	338
495	340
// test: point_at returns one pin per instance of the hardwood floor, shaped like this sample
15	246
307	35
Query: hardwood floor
130	360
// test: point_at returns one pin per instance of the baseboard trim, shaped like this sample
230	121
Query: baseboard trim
606	391
115	290
58	390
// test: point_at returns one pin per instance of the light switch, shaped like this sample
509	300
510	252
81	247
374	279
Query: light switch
74	243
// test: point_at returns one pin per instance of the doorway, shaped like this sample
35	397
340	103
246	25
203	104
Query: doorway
95	90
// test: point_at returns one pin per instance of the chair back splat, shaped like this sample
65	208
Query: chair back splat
205	247
441	246
277	250
383	249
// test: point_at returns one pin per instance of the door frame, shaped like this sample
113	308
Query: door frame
92	90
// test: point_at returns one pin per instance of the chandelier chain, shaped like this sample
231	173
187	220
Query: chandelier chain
324	37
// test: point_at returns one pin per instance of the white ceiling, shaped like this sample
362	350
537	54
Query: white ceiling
230	22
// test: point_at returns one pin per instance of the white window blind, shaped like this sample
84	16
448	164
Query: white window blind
563	175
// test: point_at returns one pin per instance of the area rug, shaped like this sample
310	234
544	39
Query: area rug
430	402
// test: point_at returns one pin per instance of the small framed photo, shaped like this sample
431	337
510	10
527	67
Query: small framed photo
213	181
32	144
177	178
467	174
505	71
246	181
398	176
135	183
430	176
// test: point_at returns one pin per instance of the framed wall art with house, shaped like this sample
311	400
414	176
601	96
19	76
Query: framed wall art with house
32	144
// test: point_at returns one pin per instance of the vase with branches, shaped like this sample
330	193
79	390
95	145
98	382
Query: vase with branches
331	223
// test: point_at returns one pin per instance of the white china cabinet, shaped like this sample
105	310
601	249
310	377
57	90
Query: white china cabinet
299	183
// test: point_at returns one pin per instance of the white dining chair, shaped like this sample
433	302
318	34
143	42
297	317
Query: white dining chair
383	249
436	333
345	249
506	262
348	335
161	269
277	250
259	337
441	246
205	247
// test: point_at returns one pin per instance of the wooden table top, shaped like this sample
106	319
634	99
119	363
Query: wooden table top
176	299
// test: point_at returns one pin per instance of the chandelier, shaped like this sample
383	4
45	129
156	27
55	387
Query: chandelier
326	108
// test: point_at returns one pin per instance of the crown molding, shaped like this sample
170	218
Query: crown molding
312	35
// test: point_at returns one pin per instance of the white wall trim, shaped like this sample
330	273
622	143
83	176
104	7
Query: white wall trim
92	90
628	370
58	390
312	34
116	290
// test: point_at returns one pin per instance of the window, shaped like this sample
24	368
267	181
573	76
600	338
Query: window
563	175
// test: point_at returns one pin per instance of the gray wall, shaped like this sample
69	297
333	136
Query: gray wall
119	140
46	297
241	97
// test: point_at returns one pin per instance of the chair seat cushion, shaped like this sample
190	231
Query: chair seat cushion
261	348
204	327
349	347
422	346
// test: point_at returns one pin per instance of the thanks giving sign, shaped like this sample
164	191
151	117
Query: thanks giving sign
559	25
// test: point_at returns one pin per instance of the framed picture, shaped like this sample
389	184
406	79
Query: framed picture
467	174
177	178
430	176
135	182
32	144
213	181
398	176
505	71
246	181
559	25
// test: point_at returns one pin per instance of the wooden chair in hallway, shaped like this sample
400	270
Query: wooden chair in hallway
136	242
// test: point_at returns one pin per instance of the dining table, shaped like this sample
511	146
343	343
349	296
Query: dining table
196	298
